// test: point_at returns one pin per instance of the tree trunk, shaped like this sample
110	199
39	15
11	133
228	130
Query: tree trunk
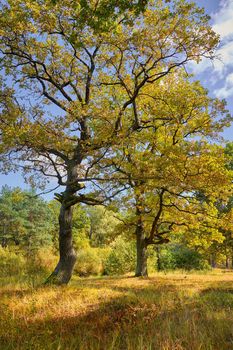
4	239
64	269
159	267
227	262
213	262
4	243
141	267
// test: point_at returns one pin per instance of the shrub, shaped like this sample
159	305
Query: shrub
180	257
31	267
40	262
188	259
11	263
46	259
88	262
121	258
165	259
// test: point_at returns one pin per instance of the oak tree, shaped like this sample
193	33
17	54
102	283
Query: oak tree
176	155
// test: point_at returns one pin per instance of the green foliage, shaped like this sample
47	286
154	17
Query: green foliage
104	15
81	241
181	257
89	262
11	263
95	226
26	220
122	257
220	251
103	226
188	259
229	154
80	223
165	259
30	269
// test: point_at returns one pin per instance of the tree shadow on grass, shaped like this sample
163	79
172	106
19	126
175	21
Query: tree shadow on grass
134	320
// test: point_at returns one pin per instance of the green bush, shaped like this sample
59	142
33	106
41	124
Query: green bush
180	257
30	268
121	258
89	262
39	265
11	263
165	259
188	259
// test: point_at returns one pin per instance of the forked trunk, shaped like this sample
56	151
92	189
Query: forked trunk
141	267
64	269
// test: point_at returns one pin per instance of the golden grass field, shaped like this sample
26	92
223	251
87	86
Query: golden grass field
173	311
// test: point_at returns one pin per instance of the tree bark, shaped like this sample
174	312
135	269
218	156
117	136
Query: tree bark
227	262
141	267
212	261
159	268
64	269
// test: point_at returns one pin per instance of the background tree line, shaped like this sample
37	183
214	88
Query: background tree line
103	241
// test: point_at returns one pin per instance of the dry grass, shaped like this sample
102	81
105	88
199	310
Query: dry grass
173	311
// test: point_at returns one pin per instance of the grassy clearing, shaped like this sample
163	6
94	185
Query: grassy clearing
173	311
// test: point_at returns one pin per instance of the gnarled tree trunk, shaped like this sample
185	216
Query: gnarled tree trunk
141	267
64	269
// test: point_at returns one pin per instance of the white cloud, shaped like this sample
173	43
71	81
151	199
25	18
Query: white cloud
224	59
200	67
223	20
223	92
230	79
218	70
227	90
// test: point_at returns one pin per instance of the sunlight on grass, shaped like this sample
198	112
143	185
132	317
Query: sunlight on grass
172	311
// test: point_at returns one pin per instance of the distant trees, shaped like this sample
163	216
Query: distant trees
103	225
25	219
111	248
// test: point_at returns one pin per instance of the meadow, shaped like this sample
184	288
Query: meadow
173	311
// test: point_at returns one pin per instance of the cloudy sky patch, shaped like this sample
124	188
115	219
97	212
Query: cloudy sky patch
218	73
223	20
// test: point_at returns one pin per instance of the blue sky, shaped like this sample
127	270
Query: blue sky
217	76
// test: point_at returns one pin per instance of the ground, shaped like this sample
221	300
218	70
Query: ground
166	311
